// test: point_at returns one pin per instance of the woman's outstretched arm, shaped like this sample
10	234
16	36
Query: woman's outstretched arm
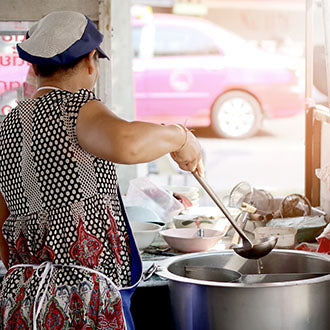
103	134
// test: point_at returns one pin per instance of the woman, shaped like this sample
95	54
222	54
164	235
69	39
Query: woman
65	236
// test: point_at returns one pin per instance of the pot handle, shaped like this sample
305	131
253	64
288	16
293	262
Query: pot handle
150	271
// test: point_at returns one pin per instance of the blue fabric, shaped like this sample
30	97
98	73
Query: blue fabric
91	39
126	301
136	271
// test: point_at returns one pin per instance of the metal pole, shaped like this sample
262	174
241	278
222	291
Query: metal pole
326	23
123	103
308	95
104	89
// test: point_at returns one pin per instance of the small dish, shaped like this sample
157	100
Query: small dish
186	239
144	233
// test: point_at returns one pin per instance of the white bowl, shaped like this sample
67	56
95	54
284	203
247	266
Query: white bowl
189	221
186	239
209	218
144	233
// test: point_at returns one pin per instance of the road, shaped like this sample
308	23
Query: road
273	160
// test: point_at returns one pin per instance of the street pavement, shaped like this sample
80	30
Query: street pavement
273	160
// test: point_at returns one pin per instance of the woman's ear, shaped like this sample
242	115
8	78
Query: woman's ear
91	62
34	67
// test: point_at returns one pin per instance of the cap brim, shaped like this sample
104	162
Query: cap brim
102	53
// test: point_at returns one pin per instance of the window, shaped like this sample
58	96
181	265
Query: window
182	41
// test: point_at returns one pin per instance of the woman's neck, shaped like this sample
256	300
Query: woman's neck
71	83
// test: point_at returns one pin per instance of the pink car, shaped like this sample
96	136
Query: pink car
189	70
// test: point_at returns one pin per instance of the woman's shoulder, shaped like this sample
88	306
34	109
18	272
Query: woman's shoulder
78	99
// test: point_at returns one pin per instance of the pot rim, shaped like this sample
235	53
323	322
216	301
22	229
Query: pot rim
162	271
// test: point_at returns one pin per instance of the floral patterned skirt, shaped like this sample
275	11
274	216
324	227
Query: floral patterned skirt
86	301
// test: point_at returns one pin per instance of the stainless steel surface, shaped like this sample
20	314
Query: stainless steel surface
256	304
215	274
247	249
200	232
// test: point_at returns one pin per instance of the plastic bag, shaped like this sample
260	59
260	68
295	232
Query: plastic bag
143	192
324	175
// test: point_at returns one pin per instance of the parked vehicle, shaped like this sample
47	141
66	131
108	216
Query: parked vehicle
189	70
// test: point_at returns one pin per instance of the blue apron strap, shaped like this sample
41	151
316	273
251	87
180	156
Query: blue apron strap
136	270
136	262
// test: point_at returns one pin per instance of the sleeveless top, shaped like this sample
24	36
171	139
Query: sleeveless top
64	208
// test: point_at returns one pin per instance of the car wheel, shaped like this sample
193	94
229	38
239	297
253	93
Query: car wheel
236	115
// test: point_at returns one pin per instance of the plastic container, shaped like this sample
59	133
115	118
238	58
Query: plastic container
286	235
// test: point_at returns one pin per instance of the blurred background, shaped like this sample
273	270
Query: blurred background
231	70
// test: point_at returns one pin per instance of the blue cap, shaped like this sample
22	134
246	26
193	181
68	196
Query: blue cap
59	38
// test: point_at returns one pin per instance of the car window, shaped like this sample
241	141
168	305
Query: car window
136	38
182	41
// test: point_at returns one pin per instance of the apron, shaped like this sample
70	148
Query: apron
44	266
126	292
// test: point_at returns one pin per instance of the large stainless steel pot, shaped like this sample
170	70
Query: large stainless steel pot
257	304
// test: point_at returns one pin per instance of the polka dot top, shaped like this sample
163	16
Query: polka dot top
63	201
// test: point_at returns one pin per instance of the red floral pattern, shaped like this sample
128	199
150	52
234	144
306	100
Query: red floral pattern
94	303
45	253
76	311
23	252
28	271
111	317
16	319
54	318
114	238
87	248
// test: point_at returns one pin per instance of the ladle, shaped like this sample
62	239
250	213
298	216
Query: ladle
247	250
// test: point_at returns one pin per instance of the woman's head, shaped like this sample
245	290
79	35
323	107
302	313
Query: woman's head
45	70
62	43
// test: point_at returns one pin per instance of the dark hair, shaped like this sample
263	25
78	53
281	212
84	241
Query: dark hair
49	70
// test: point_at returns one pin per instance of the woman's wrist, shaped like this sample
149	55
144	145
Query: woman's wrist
185	131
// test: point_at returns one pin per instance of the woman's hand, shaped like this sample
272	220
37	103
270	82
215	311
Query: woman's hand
189	156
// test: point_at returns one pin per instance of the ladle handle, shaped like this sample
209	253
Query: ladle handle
224	210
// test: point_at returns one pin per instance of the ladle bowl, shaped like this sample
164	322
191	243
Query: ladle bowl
247	250
258	250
